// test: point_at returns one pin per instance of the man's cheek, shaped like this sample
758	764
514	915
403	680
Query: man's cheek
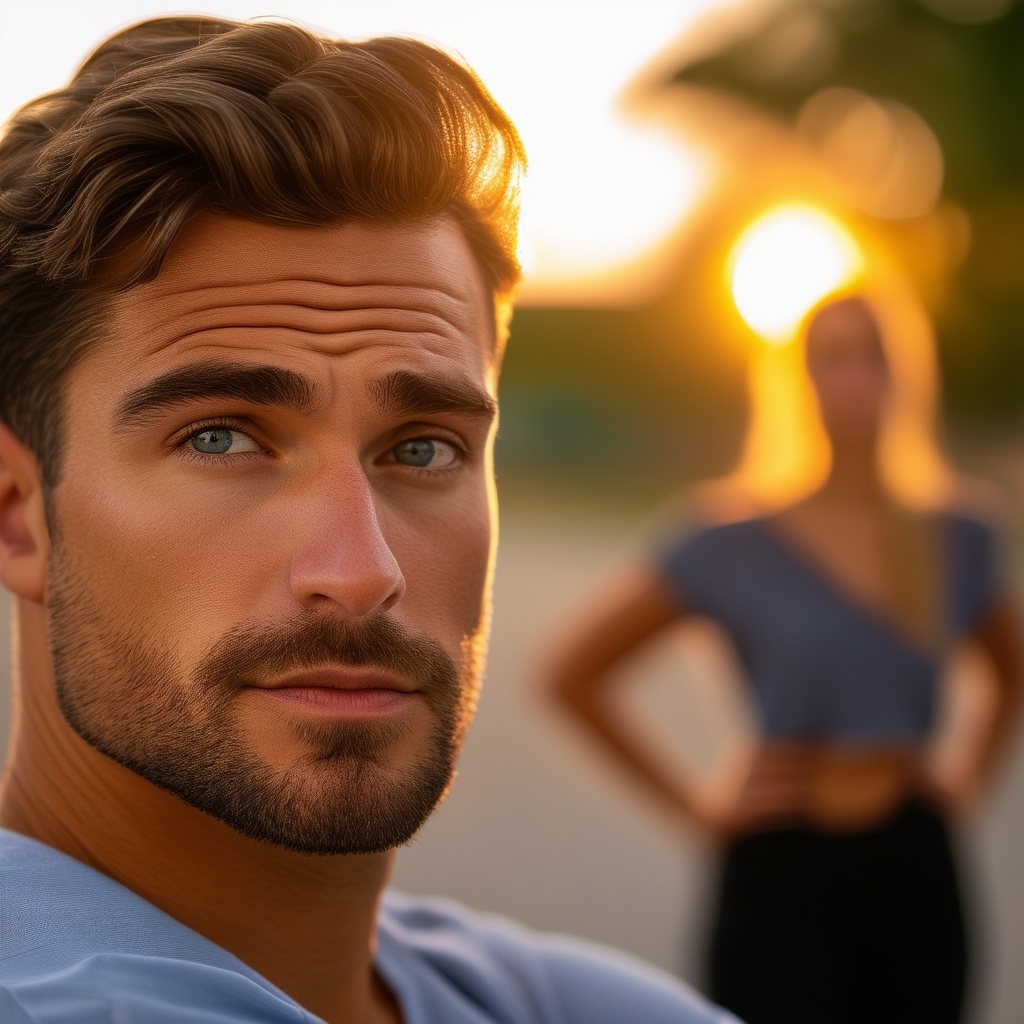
449	590
157	565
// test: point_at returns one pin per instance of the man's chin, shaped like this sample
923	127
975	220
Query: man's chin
357	794
331	804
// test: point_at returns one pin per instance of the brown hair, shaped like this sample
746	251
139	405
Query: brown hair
261	120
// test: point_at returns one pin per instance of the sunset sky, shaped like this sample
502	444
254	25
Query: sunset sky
603	186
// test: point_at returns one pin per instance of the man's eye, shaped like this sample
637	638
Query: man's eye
221	440
425	452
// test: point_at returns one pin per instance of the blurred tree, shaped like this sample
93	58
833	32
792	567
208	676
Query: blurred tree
959	64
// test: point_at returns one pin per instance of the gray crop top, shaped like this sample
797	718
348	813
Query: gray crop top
820	664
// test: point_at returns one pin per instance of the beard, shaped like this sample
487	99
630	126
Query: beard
122	692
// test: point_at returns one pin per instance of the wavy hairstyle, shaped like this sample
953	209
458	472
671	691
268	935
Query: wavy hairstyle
264	121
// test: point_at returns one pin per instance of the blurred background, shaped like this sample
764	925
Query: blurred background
702	172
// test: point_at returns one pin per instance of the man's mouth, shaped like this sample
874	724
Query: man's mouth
342	691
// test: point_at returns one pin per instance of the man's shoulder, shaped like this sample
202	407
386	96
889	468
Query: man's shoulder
77	946
519	976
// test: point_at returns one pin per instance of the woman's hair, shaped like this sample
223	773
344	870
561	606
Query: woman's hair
264	121
786	452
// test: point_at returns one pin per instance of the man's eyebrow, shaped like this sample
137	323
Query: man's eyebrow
259	385
407	393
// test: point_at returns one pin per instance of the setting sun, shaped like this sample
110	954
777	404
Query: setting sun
786	262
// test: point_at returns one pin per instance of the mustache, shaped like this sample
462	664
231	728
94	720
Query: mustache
255	650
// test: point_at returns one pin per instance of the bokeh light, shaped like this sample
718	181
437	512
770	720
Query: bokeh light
786	262
885	157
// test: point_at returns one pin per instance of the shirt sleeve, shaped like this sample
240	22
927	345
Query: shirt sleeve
692	568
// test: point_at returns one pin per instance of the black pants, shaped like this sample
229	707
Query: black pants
825	928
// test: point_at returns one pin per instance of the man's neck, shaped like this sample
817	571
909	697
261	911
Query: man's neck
305	923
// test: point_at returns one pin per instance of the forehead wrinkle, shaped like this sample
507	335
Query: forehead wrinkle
429	341
302	293
175	327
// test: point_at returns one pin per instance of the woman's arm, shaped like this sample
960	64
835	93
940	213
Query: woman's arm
760	787
632	609
999	638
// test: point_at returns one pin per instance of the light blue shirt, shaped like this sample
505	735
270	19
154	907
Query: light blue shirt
75	946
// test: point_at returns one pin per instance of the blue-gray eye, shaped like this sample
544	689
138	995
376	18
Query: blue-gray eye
221	440
419	451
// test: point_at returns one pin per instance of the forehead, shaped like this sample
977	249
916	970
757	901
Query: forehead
233	288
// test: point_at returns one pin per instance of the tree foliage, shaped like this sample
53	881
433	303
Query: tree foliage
967	81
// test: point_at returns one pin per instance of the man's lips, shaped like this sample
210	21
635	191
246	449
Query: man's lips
342	692
341	678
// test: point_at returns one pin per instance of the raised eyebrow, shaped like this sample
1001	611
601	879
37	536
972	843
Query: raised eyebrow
259	385
407	393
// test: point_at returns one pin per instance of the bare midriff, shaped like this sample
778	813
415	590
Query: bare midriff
844	788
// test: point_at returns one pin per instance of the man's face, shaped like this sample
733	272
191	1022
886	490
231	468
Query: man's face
272	536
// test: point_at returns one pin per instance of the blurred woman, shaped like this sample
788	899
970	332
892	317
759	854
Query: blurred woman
838	898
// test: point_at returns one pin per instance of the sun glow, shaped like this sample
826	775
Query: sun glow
785	263
604	188
601	196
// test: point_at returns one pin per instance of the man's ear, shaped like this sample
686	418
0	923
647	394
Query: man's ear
24	538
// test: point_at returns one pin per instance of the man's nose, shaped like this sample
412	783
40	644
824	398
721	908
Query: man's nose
344	559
